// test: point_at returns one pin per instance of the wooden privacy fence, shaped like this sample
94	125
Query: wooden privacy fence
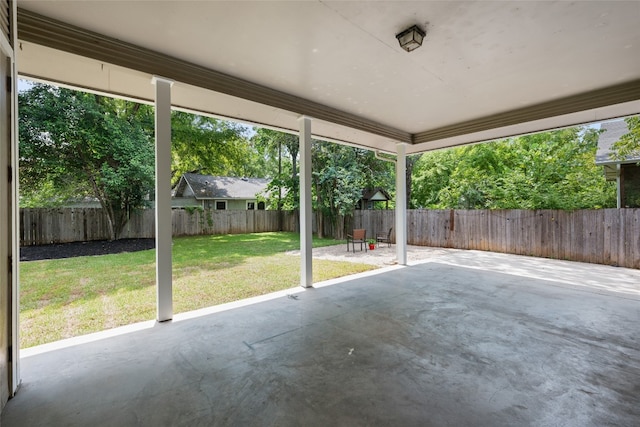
605	236
45	226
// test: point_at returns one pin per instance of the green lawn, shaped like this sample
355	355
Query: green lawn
75	296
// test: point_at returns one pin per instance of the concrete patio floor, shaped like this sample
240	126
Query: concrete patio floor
465	338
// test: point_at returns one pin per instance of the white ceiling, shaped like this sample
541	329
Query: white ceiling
478	59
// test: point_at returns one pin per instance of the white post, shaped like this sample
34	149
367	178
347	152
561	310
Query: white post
164	269
12	207
306	236
401	204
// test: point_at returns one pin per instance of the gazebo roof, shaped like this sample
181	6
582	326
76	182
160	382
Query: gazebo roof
375	194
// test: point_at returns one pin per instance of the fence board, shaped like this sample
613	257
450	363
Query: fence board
635	240
606	236
45	226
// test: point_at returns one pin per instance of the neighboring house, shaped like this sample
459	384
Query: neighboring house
372	197
85	202
625	172
219	192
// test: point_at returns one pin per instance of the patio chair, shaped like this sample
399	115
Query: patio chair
359	235
384	238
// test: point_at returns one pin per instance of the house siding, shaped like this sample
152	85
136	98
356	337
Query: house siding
630	186
237	205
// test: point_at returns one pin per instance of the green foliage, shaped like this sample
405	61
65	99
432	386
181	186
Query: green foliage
193	209
47	195
629	144
339	173
75	144
337	178
552	170
211	147
79	143
279	159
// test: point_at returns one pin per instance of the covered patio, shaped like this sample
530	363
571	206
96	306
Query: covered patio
467	338
439	343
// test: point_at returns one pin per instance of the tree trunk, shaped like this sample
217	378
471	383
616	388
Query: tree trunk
319	214
320	223
295	180
110	217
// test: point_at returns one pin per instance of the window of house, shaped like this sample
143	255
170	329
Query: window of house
251	206
221	205
261	206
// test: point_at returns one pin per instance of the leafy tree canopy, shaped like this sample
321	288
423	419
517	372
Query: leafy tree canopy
629	144
211	147
339	173
279	159
551	170
84	144
75	144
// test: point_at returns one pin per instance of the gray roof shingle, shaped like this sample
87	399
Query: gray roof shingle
221	187
613	131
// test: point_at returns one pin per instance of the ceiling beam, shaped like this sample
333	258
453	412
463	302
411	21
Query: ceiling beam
599	98
55	34
58	35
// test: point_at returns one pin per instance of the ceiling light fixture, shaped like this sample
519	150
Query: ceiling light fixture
411	38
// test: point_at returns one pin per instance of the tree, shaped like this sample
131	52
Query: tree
339	173
550	170
629	143
411	162
211	147
337	179
279	154
86	144
376	172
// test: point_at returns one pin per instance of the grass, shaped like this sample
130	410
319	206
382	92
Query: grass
75	296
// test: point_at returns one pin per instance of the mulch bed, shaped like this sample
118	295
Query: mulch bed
75	249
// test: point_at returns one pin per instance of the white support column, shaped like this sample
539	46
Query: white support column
164	290
401	204
306	271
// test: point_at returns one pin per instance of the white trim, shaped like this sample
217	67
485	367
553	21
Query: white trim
215	204
628	161
156	79
182	178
